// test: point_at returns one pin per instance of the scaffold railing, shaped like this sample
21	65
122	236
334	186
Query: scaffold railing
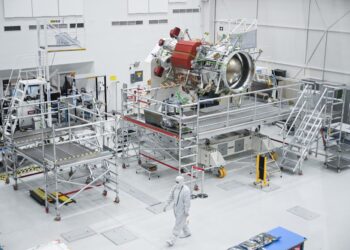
80	141
193	122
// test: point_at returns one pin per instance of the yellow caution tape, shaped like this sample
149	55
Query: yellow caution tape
3	176
63	198
28	170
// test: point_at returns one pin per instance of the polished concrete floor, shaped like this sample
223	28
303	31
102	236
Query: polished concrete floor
233	212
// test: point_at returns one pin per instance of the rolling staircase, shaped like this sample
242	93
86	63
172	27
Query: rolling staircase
307	124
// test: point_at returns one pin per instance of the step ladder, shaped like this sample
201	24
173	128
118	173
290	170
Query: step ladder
335	109
127	137
188	150
332	133
306	133
111	180
20	93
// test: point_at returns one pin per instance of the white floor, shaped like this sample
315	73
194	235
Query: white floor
224	219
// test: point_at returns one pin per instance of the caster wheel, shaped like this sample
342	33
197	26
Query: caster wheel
139	162
300	173
7	181
124	166
193	196
254	183
15	187
158	176
58	218
70	174
47	210
104	193
202	196
196	188
116	200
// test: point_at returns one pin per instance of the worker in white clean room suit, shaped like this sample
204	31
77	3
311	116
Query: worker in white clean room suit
180	195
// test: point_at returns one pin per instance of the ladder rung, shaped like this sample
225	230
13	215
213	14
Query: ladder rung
337	103
110	188
188	147
295	145
293	152
189	138
112	172
188	164
188	156
290	160
113	181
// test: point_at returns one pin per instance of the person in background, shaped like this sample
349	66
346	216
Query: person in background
180	196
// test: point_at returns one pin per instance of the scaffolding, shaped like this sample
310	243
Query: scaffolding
318	112
177	147
76	151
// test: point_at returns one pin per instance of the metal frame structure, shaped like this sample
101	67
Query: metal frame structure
235	112
80	139
314	112
62	150
336	149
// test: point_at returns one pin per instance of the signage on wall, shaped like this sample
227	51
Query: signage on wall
137	76
113	78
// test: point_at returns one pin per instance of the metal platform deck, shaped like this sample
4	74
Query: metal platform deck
213	122
68	154
216	122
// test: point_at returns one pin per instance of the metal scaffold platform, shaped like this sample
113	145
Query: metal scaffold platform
170	134
56	140
72	155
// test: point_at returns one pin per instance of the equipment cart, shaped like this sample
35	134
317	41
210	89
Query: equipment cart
149	168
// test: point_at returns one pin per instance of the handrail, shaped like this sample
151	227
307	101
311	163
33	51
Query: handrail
306	147
299	112
313	112
293	110
316	120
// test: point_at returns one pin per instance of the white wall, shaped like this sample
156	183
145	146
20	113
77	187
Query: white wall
114	48
289	32
111	48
